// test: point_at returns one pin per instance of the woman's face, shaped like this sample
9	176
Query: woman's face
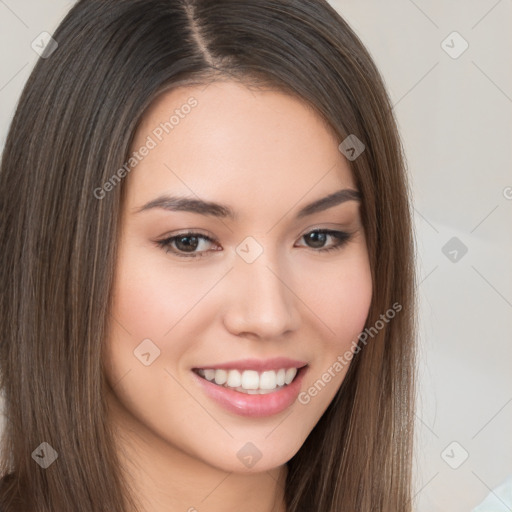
240	291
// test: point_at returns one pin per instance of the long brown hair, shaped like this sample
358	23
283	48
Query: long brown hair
73	128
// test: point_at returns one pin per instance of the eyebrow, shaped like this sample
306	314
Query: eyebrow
186	204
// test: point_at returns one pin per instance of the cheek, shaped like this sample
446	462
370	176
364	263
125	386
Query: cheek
151	302
340	295
341	298
154	300
355	300
151	298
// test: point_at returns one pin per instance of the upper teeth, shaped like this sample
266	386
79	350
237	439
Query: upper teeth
250	379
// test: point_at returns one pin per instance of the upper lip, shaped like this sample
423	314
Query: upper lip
258	365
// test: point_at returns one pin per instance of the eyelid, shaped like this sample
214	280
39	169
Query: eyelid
340	237
329	226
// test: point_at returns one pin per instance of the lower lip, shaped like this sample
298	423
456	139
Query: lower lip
254	406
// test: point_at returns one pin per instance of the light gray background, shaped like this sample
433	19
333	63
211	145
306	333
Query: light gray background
455	119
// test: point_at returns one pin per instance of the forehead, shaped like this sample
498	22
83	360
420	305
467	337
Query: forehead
237	145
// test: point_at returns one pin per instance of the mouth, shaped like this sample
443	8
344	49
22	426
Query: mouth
253	388
251	382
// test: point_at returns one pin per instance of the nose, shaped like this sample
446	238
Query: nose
262	301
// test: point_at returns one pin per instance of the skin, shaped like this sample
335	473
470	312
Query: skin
266	155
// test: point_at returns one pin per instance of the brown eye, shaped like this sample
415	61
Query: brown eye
185	244
318	238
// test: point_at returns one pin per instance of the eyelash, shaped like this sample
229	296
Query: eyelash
165	244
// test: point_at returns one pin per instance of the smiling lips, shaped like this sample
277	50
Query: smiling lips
253	376
250	381
253	393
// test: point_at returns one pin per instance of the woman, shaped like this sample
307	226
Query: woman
207	266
